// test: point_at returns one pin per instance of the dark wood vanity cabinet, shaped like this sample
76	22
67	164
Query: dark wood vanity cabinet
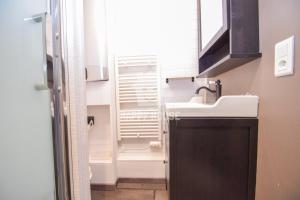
211	158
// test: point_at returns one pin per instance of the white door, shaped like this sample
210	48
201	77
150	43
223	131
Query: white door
26	145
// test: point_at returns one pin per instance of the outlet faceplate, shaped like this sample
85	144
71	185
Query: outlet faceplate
91	118
284	57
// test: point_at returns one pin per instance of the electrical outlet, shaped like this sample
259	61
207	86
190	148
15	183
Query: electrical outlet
91	118
284	57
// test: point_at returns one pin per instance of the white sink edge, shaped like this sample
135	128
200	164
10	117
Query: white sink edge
226	106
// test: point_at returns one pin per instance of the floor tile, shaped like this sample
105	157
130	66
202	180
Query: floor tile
129	186
123	194
161	195
142	186
153	186
132	190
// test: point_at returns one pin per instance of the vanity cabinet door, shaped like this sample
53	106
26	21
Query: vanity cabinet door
213	159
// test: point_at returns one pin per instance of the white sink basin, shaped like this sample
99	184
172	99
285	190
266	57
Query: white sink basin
226	106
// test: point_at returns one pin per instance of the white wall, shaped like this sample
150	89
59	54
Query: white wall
99	93
168	28
100	136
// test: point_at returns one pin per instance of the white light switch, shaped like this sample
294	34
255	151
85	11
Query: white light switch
284	57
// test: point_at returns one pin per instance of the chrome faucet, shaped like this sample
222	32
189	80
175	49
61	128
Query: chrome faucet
218	89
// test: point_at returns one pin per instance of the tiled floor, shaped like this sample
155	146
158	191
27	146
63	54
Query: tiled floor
133	191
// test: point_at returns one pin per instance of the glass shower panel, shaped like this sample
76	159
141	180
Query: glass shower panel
26	145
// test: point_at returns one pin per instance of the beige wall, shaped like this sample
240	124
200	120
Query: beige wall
278	176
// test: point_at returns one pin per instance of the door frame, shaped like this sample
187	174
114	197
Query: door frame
61	121
72	30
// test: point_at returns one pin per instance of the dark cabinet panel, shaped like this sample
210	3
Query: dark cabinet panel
212	159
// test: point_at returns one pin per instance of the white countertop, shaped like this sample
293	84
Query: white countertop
226	106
